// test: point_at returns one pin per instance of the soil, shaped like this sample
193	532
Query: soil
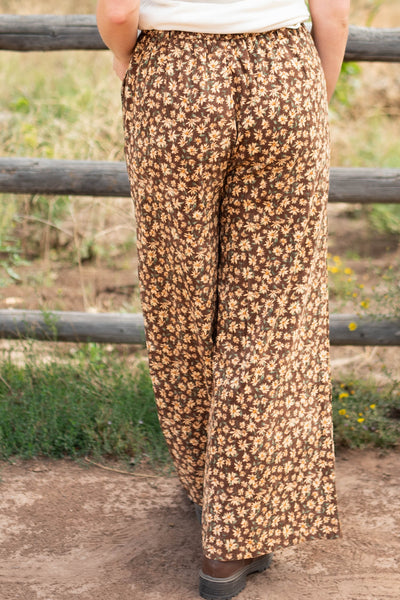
72	530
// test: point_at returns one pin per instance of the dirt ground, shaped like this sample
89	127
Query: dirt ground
71	530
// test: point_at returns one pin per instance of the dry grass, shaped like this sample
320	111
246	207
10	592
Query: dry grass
48	7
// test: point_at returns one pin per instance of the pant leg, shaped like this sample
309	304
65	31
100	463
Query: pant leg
177	146
269	479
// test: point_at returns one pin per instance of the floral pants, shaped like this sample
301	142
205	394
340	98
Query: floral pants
227	151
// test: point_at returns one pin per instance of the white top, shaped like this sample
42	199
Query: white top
221	16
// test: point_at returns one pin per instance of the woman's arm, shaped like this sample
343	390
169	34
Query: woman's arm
329	30
117	21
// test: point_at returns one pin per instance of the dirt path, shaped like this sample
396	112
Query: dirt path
69	531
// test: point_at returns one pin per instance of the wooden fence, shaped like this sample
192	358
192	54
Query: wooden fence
27	175
79	32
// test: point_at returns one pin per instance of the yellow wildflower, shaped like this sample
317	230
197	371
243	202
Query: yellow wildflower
337	260
333	269
372	406
342	411
361	420
343	395
352	326
348	271
365	303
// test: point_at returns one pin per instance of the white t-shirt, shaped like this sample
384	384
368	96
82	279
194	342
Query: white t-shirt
221	16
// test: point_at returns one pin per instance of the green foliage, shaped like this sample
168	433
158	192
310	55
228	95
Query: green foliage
20	105
365	414
61	106
380	300
385	296
385	218
91	404
10	252
341	278
49	208
94	403
9	257
65	105
349	81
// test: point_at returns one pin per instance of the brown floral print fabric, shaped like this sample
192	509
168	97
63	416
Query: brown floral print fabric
228	155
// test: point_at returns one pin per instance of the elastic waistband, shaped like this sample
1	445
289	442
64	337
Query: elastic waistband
283	32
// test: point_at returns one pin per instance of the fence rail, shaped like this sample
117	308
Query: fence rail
64	326
79	32
102	178
122	328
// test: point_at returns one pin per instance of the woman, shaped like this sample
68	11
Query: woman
227	149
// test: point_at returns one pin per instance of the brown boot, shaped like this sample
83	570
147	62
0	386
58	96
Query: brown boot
221	580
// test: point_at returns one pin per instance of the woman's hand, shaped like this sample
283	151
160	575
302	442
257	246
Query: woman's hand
120	67
330	30
117	21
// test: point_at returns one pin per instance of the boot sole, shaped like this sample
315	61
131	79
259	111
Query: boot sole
225	588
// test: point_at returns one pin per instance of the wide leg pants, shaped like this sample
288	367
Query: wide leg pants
227	150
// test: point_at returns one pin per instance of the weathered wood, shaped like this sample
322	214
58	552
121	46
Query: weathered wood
368	332
110	328
362	185
116	328
101	178
65	177
47	32
372	44
79	32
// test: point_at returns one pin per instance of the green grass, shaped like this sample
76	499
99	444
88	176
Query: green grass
366	414
385	218
378	299
92	404
61	105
